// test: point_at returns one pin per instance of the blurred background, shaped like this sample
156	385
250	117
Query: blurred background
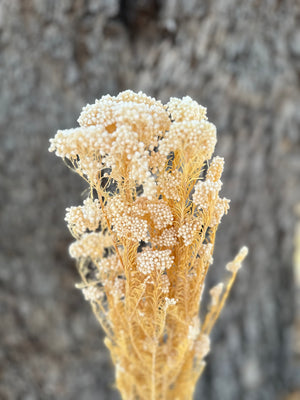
239	59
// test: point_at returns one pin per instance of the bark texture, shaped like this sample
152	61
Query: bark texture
242	61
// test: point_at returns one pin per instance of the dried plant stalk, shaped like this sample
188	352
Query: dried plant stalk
145	235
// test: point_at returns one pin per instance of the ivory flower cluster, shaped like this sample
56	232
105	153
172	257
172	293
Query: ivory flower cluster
83	218
145	235
154	260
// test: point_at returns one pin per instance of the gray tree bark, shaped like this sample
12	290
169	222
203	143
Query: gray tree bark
242	61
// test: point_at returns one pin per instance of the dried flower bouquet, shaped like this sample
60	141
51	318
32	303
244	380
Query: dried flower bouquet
145	235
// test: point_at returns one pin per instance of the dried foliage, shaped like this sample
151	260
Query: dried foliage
145	235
